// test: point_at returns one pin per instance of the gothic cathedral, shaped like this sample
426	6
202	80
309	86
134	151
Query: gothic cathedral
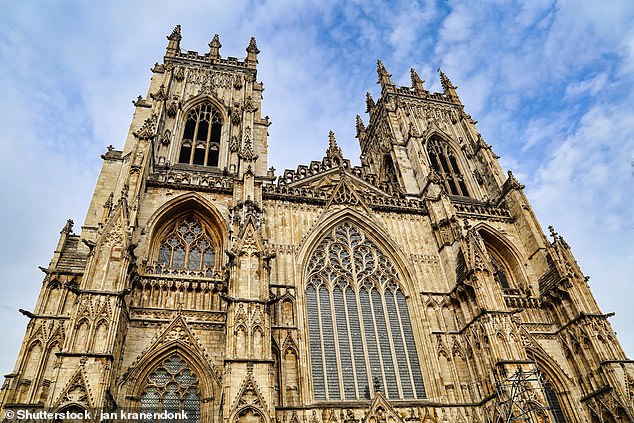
417	287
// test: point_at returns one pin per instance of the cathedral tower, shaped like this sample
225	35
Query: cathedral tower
418	286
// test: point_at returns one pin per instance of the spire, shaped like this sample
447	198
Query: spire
449	88
252	52
384	77
214	47
417	83
333	149
369	102
174	42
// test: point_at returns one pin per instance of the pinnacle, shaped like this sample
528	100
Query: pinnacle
444	80
360	126
215	42
176	34
333	149
369	101
384	77
416	80
332	142
253	47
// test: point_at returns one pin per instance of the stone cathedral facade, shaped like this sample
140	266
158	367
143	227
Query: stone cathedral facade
417	287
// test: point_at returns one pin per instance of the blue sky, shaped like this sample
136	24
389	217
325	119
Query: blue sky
550	82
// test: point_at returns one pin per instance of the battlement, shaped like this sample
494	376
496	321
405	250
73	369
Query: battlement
174	53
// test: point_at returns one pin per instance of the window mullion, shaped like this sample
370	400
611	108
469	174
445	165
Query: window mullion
362	323
408	359
352	356
377	338
391	339
321	339
208	139
194	140
335	336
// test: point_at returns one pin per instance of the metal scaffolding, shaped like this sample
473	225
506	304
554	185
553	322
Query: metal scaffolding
521	395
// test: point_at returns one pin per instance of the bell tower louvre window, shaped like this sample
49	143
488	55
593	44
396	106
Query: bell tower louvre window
444	162
201	137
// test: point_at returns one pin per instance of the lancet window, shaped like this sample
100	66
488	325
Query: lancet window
188	245
200	144
172	388
360	332
444	162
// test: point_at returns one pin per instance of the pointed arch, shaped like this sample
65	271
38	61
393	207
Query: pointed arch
206	382
555	385
202	98
192	207
446	160
359	329
202	125
377	234
176	337
506	259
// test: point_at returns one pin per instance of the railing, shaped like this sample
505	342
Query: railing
192	179
476	209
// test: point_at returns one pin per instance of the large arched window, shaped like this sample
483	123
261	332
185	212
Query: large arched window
172	388
201	138
359	327
187	245
444	162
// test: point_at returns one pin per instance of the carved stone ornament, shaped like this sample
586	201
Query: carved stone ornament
233	144
147	131
166	137
160	95
172	106
179	73
248	105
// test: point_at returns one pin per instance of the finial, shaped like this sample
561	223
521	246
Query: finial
68	227
369	101
332	142
252	52
384	77
173	44
417	83
552	232
333	149
253	47
176	34
214	47
360	126
448	87
444	80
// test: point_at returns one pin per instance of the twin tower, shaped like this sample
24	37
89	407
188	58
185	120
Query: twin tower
417	287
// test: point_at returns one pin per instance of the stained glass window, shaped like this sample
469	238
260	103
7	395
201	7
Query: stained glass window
187	246
358	325
172	387
201	137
